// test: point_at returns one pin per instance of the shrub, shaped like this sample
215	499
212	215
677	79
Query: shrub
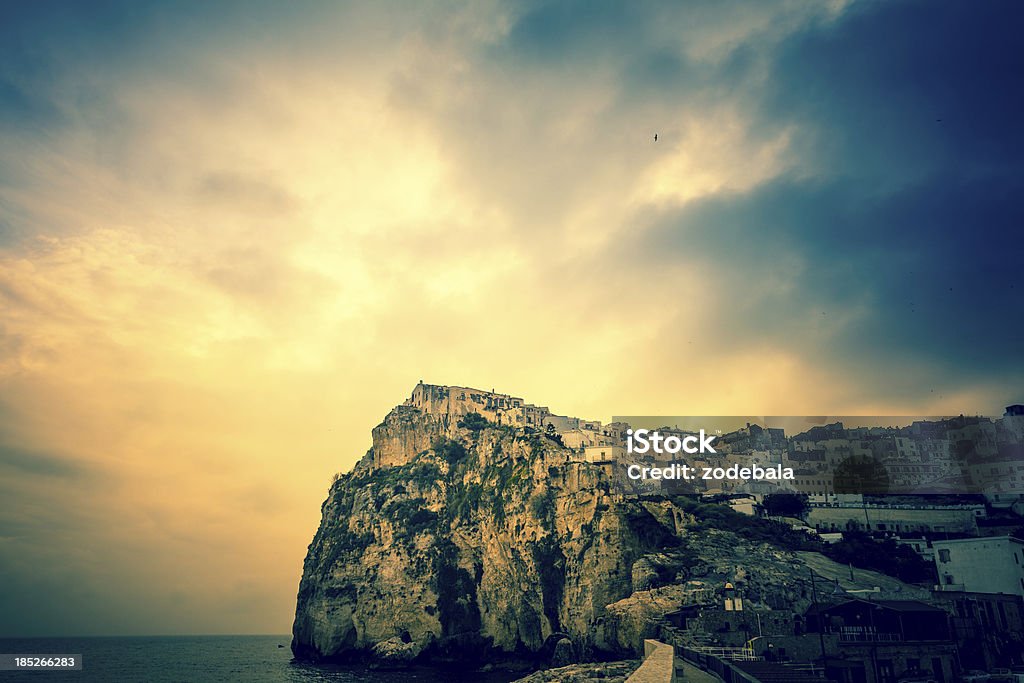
724	518
411	516
463	499
648	531
542	505
888	557
344	543
474	422
452	451
346	592
786	504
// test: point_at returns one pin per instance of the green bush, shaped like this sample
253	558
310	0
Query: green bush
542	505
785	504
463	499
346	592
474	422
452	451
424	473
885	556
343	543
410	516
724	518
648	531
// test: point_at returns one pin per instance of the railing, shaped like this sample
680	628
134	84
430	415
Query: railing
810	668
736	654
870	637
719	666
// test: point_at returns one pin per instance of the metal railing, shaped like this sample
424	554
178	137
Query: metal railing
865	637
736	654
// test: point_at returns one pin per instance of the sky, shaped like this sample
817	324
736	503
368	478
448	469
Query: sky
233	235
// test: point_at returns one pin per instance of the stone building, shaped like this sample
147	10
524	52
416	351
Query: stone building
459	401
432	411
988	628
885	641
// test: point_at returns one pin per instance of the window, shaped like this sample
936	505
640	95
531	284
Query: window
944	555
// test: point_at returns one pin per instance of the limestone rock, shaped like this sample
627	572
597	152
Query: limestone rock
395	650
643	575
564	653
476	540
604	672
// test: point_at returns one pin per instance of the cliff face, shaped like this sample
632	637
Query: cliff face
482	539
488	538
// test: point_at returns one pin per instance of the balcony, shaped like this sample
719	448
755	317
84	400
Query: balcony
868	637
951	587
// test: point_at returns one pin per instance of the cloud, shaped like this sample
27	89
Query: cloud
895	261
233	236
34	463
901	109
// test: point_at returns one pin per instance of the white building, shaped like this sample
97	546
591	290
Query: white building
604	453
899	519
981	565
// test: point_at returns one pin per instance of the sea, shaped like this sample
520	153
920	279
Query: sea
199	659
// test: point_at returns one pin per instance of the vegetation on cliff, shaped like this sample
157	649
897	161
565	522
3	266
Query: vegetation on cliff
491	541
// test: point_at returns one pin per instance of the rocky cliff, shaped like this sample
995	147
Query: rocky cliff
487	541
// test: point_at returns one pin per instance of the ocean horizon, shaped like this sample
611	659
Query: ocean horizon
199	659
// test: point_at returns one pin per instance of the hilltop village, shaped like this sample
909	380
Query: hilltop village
959	455
480	523
954	478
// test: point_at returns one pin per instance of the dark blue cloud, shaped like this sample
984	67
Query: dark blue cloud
556	30
936	267
898	87
619	43
910	117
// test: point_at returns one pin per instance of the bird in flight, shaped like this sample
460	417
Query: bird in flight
655	137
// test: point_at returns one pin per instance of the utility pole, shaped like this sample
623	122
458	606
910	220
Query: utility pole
874	640
821	619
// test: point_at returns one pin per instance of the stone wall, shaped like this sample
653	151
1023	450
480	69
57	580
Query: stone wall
659	664
932	520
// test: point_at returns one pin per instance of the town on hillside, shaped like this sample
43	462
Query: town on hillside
949	491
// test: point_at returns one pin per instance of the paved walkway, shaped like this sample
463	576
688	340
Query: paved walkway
690	674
